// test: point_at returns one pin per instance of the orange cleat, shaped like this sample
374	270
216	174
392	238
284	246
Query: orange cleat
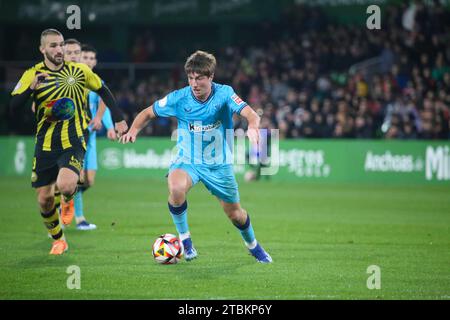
67	212
59	247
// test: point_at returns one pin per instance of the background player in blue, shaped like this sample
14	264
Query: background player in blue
204	112
89	57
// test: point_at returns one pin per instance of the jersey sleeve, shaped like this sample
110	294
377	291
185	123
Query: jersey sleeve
167	106
24	82
234	102
93	81
107	117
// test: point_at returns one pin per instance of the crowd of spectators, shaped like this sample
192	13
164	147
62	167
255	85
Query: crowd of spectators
299	82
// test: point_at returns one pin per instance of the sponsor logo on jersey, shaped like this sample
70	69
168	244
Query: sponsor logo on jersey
74	162
236	99
18	86
197	127
34	176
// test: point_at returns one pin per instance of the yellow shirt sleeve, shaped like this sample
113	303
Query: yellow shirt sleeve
93	81
24	82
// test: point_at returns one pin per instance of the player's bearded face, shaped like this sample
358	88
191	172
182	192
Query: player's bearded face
200	85
55	58
53	49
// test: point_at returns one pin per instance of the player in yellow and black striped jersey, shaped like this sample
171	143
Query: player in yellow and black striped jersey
59	89
70	82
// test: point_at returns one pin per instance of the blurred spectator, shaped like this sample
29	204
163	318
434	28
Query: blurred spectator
300	83
302	86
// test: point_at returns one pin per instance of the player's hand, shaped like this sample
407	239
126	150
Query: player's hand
81	178
96	123
253	135
121	127
128	137
111	134
38	79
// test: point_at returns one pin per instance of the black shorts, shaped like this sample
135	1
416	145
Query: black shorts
46	165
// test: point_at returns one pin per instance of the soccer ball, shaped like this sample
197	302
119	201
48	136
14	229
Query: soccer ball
60	109
167	249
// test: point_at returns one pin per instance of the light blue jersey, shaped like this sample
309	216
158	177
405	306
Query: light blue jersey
203	150
90	159
202	126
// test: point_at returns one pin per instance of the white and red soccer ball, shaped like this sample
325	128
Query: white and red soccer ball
167	249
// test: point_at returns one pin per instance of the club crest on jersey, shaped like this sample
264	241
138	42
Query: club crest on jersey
236	99
70	80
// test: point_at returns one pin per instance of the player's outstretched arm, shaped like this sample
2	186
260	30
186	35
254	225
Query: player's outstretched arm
108	123
253	124
117	115
96	122
141	120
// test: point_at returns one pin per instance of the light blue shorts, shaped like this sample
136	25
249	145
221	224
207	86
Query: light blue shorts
220	180
90	159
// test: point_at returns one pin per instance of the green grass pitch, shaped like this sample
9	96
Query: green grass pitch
322	237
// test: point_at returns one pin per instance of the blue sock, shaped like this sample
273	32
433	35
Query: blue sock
179	216
78	203
246	231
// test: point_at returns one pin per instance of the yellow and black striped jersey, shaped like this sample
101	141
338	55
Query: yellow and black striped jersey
71	82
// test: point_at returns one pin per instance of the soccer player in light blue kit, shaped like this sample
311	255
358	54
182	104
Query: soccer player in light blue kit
204	111
89	57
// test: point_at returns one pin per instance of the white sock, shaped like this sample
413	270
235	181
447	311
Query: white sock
184	236
251	245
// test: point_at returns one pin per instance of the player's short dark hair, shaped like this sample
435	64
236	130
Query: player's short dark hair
72	41
200	62
48	32
88	48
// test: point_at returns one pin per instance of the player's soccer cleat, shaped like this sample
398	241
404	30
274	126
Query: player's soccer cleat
189	251
84	225
59	247
260	254
67	212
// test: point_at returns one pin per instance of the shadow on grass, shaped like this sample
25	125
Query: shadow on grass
207	268
40	257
